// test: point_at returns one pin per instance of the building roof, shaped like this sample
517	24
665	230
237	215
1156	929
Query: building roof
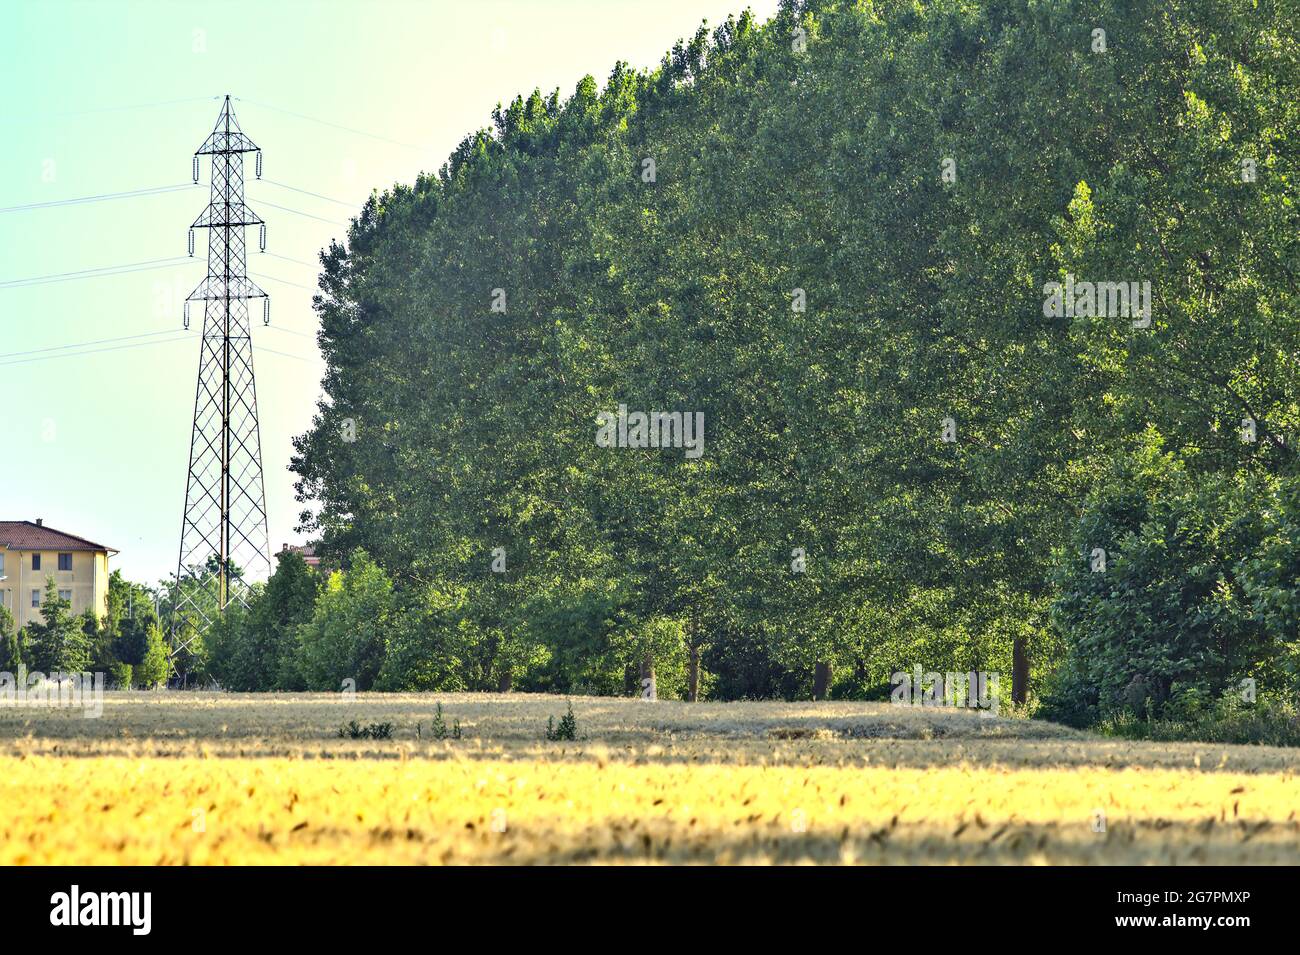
307	552
24	535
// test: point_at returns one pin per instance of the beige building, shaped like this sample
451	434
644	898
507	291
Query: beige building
31	553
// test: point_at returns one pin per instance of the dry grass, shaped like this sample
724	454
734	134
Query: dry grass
217	778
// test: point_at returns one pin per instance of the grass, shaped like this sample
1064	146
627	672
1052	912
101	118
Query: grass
227	778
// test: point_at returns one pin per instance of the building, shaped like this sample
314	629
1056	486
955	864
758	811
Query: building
308	554
30	553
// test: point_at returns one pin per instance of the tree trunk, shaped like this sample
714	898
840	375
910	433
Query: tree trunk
1019	671
506	678
693	676
821	680
649	690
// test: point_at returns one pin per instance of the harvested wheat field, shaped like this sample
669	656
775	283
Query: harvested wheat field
198	778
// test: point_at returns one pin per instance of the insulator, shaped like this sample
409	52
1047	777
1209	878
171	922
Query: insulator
259	164
261	237
196	169
266	310
191	242
187	315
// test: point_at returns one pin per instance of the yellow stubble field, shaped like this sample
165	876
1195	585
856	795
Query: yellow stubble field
213	778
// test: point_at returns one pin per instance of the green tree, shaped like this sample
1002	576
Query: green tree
345	637
131	611
287	602
255	648
153	667
11	643
59	644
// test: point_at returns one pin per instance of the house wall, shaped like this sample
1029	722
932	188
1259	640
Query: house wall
88	581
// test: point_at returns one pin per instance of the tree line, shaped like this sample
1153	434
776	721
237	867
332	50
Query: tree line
843	237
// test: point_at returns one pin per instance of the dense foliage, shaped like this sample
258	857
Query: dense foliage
834	235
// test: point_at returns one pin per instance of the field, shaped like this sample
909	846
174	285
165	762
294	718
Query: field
208	778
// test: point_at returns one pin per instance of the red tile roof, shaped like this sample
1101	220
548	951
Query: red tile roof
24	535
307	552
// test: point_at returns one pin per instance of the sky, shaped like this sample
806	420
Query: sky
97	374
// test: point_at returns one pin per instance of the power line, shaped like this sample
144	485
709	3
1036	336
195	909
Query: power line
101	341
97	272
95	351
115	344
289	258
305	192
291	331
153	191
263	275
15	117
128	338
145	266
326	122
263	202
180	187
285	354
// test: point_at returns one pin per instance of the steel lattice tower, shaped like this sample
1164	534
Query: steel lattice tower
224	538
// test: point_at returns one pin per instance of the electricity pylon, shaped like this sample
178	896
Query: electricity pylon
224	538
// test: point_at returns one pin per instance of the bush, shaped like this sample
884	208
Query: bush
439	726
119	675
354	730
1273	720
567	728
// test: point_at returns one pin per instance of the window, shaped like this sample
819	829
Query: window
36	598
65	595
36	561
2	565
65	562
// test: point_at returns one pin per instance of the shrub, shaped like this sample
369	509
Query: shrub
566	729
119	675
354	730
439	726
1271	721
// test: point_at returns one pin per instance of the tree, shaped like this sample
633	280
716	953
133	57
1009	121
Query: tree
255	648
344	640
153	667
59	645
426	644
99	642
287	602
11	644
231	656
131	611
1152	595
